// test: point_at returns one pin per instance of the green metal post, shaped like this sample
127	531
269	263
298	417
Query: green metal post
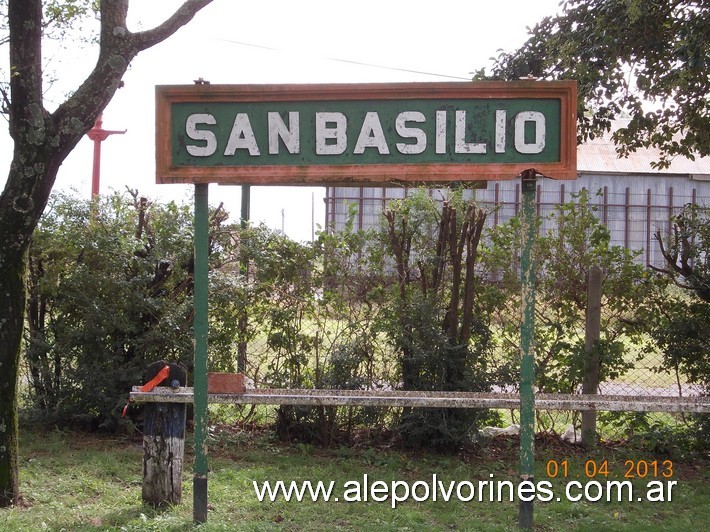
200	377
244	270
527	330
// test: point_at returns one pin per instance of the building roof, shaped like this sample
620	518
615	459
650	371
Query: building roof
600	156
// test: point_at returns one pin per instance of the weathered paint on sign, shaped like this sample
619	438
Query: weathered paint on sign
324	134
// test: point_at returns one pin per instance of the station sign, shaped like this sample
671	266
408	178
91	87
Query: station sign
424	133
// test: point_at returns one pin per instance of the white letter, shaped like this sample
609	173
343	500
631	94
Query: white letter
481	487
445	494
539	144
379	487
544	487
290	136
619	490
655	494
524	488
200	134
441	132
352	494
371	135
459	491
420	498
499	494
410	133
670	484
323	133
567	490
588	494
241	136
461	145
399	498
500	131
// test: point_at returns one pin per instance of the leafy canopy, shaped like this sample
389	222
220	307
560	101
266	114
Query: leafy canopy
646	60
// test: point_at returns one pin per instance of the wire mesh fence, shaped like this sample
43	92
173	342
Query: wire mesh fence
338	360
633	217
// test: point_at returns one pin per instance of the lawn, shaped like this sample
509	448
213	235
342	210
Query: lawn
75	481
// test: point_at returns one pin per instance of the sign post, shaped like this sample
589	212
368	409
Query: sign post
365	134
528	231
199	508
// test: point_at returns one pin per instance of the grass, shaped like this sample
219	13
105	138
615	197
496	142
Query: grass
75	481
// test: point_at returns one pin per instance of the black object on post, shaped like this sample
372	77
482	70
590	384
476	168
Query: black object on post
164	441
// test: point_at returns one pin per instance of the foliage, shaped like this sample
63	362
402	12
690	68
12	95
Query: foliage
646	431
344	324
701	432
682	334
577	241
58	17
625	55
686	250
310	326
110	292
679	323
436	317
288	306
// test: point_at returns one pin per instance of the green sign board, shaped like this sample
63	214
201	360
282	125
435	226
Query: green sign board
370	133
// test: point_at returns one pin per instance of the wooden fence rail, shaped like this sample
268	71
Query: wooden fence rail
273	396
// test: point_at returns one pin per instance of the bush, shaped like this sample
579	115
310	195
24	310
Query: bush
110	292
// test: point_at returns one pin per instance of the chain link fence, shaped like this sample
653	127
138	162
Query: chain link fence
635	217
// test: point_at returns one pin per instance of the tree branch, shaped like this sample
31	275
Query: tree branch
78	113
477	220
182	16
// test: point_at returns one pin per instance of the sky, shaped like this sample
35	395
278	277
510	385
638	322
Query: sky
273	42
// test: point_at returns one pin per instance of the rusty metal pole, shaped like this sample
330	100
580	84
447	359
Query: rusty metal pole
528	233
98	134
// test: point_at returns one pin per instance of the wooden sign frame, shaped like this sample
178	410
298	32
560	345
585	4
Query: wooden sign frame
377	173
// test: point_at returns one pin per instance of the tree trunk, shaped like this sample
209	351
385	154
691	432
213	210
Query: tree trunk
17	223
12	304
42	141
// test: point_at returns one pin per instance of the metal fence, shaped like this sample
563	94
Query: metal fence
633	209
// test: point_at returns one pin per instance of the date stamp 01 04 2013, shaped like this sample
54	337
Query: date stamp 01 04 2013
632	469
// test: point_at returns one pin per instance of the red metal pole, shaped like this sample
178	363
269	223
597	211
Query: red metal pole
98	134
96	169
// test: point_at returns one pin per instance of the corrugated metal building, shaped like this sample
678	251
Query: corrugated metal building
635	200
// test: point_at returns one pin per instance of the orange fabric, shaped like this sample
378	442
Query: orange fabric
148	386
160	377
